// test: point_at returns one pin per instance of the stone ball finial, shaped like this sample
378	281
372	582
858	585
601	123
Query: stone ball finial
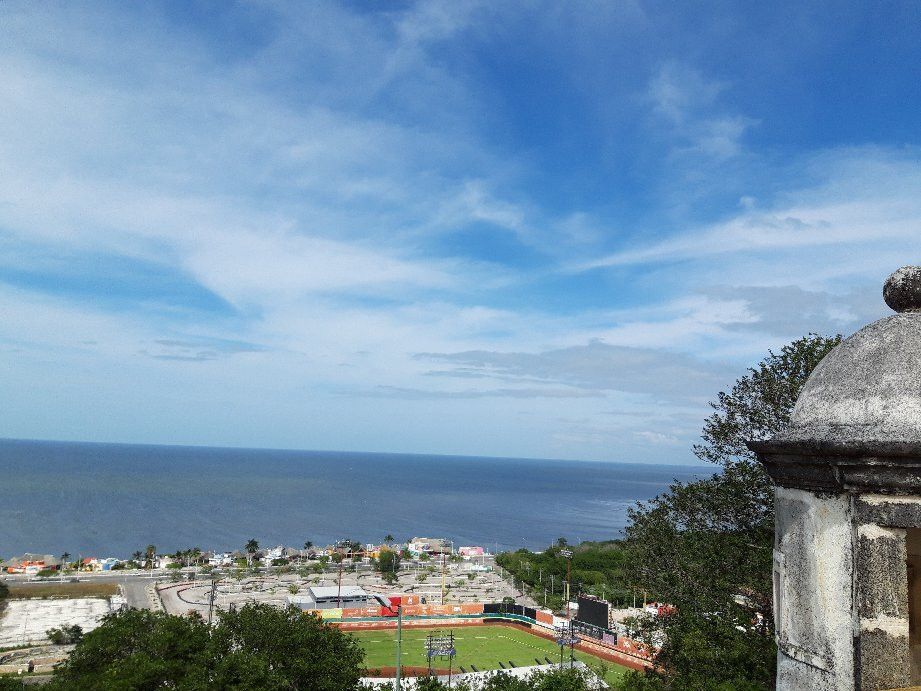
902	291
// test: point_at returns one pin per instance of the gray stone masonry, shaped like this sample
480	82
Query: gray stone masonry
847	470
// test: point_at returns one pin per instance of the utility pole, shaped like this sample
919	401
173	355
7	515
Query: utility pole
211	599
339	596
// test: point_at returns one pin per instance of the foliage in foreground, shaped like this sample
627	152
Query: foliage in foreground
705	547
554	680
255	647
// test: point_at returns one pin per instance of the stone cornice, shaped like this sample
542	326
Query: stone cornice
836	467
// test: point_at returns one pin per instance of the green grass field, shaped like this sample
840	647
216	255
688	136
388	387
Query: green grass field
483	646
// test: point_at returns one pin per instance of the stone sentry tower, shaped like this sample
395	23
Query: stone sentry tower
847	548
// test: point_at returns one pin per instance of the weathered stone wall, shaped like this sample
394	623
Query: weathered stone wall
913	541
843	594
813	591
882	607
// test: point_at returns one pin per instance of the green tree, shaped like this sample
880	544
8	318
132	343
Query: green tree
255	647
705	546
551	680
150	554
65	634
388	563
283	649
138	649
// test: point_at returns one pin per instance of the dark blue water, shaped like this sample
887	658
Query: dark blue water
113	499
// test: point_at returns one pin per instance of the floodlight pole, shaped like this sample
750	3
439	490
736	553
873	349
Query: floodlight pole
399	641
450	660
566	553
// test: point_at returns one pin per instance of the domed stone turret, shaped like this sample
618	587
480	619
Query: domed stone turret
868	389
847	475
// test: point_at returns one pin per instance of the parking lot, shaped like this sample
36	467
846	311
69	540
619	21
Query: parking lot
462	580
27	621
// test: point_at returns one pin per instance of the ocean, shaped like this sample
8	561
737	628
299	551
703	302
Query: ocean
112	499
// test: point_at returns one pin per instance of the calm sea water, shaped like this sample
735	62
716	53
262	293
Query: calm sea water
113	499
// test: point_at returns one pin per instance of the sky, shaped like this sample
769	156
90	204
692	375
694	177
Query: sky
528	229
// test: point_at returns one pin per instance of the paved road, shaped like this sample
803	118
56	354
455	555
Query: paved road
135	592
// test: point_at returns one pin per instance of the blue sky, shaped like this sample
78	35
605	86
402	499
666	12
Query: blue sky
531	229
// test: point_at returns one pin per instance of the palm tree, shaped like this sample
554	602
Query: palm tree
252	546
149	555
64	557
137	556
388	539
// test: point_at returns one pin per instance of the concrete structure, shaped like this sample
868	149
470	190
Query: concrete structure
429	545
847	558
332	597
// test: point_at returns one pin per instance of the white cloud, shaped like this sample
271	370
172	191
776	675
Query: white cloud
864	201
688	104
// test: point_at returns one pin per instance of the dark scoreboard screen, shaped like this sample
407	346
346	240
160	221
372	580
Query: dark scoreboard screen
593	611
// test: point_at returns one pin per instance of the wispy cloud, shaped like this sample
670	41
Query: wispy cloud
431	394
689	104
595	367
860	199
198	350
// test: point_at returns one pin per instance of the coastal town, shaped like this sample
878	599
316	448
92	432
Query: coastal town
357	586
